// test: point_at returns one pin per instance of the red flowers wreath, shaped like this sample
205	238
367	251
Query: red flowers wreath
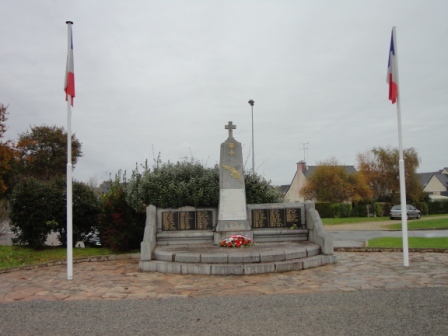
237	241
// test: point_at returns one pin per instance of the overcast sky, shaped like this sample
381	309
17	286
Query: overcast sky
166	76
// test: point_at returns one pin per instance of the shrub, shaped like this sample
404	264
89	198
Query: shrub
334	210
325	210
121	227
423	207
86	208
32	212
359	210
438	207
190	183
378	209
259	190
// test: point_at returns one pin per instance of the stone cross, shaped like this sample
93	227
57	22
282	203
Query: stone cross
230	127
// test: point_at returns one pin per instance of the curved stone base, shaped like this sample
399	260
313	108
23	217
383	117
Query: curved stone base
213	260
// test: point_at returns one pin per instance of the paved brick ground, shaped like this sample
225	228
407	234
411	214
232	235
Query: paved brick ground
121	279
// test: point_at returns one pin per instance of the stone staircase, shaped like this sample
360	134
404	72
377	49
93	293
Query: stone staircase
207	259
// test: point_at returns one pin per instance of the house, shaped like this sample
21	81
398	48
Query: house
435	184
303	171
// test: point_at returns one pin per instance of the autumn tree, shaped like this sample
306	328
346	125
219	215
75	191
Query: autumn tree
42	152
330	182
6	151
381	168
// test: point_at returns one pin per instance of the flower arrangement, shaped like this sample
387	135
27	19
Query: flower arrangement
237	241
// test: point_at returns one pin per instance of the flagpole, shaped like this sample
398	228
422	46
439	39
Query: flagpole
404	217
69	176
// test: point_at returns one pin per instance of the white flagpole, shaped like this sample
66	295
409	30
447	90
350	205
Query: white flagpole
69	176
404	218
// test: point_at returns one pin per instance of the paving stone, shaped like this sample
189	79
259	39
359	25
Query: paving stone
108	280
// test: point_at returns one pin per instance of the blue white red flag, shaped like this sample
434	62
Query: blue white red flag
392	73
69	86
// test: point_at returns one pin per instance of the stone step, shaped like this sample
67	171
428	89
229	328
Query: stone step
279	235
236	268
207	259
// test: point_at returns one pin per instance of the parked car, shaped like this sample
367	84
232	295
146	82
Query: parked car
92	240
412	212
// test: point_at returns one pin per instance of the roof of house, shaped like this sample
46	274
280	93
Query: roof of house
443	178
310	170
426	177
284	188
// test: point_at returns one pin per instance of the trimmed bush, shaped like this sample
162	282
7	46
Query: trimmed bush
32	212
423	207
190	183
86	208
438	207
341	210
325	210
359	210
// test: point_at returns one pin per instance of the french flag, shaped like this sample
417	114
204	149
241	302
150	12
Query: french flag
392	73
69	86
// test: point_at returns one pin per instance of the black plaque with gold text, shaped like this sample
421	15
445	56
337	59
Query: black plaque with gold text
276	218
187	220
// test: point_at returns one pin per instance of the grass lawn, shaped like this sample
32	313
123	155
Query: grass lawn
15	256
414	242
428	224
352	220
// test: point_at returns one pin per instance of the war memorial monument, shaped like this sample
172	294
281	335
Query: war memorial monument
186	240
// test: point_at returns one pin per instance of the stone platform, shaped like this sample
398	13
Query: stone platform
208	259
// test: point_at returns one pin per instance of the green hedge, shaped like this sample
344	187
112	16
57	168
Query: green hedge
380	209
438	207
325	210
423	207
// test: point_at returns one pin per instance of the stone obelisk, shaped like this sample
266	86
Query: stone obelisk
232	211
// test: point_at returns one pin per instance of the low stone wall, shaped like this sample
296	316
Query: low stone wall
317	233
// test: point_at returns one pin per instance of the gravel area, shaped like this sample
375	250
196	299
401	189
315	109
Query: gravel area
420	311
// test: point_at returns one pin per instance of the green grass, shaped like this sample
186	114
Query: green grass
437	223
414	242
15	256
429	222
352	220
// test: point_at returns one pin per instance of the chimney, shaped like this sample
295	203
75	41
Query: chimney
301	166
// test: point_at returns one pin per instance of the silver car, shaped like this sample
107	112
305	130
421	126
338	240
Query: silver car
411	211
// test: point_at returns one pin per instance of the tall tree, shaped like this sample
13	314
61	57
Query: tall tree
381	168
6	151
42	152
330	182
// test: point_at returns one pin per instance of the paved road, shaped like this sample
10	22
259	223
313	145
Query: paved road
371	312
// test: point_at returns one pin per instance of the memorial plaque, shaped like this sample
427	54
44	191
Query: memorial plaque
204	220
276	218
187	220
260	218
169	221
293	217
